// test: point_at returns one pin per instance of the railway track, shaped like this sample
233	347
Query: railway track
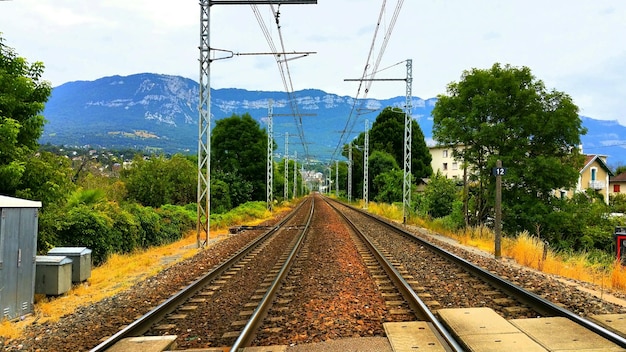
330	273
459	283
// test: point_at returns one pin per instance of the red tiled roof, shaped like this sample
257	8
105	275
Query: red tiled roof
619	178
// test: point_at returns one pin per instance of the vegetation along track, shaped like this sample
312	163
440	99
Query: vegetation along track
447	280
332	290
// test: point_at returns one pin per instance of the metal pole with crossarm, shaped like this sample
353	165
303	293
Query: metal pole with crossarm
204	108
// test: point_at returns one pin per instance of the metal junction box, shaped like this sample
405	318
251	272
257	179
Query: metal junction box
54	275
18	247
81	261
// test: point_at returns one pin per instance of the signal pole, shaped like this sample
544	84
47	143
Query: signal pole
204	109
406	184
286	191
337	178
366	163
270	156
295	174
350	172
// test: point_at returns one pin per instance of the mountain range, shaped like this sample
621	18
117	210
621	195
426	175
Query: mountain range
160	113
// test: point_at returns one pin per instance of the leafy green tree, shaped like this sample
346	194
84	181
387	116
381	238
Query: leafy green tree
220	196
382	162
158	181
440	195
22	97
46	177
389	186
387	135
620	169
239	149
505	113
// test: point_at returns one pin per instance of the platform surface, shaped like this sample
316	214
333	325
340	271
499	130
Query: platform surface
412	336
562	334
482	329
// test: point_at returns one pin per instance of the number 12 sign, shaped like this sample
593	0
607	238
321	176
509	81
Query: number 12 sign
498	171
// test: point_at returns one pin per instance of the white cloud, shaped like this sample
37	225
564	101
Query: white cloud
573	46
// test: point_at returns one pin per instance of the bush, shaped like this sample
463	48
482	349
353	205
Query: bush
81	226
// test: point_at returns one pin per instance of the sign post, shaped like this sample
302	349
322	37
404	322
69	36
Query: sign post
498	172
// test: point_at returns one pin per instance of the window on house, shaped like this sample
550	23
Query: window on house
594	171
563	194
455	166
616	188
445	166
445	153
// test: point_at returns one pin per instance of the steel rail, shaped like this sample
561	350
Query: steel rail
536	302
143	324
249	330
419	307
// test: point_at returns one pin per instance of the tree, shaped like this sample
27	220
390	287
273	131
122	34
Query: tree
505	113
387	135
440	195
158	181
382	162
22	97
239	149
47	177
388	186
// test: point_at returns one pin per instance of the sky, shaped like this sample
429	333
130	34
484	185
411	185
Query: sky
573	46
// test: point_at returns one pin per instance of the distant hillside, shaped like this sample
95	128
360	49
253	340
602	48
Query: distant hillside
159	111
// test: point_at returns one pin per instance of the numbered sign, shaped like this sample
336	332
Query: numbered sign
498	171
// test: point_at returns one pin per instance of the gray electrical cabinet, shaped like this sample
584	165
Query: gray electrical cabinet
18	249
81	261
53	275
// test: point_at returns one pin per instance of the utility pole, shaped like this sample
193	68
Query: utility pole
270	157
286	191
337	178
366	148
350	172
498	171
406	185
408	125
204	109
295	173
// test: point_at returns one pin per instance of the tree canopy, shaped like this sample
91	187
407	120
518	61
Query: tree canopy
505	113
387	135
22	97
386	141
238	151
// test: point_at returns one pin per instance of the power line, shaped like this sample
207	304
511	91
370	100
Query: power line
373	69
283	68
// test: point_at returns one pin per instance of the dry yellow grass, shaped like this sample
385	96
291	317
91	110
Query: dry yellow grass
524	249
117	274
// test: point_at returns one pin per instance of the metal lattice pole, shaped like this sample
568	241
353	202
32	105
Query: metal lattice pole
295	174
366	163
286	188
204	124
406	187
270	156
204	112
350	172
337	178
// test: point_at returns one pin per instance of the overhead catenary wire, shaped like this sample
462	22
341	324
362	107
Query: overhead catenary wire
283	68
369	72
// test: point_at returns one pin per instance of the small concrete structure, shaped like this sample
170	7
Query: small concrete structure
412	336
145	344
53	275
562	334
81	261
482	329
